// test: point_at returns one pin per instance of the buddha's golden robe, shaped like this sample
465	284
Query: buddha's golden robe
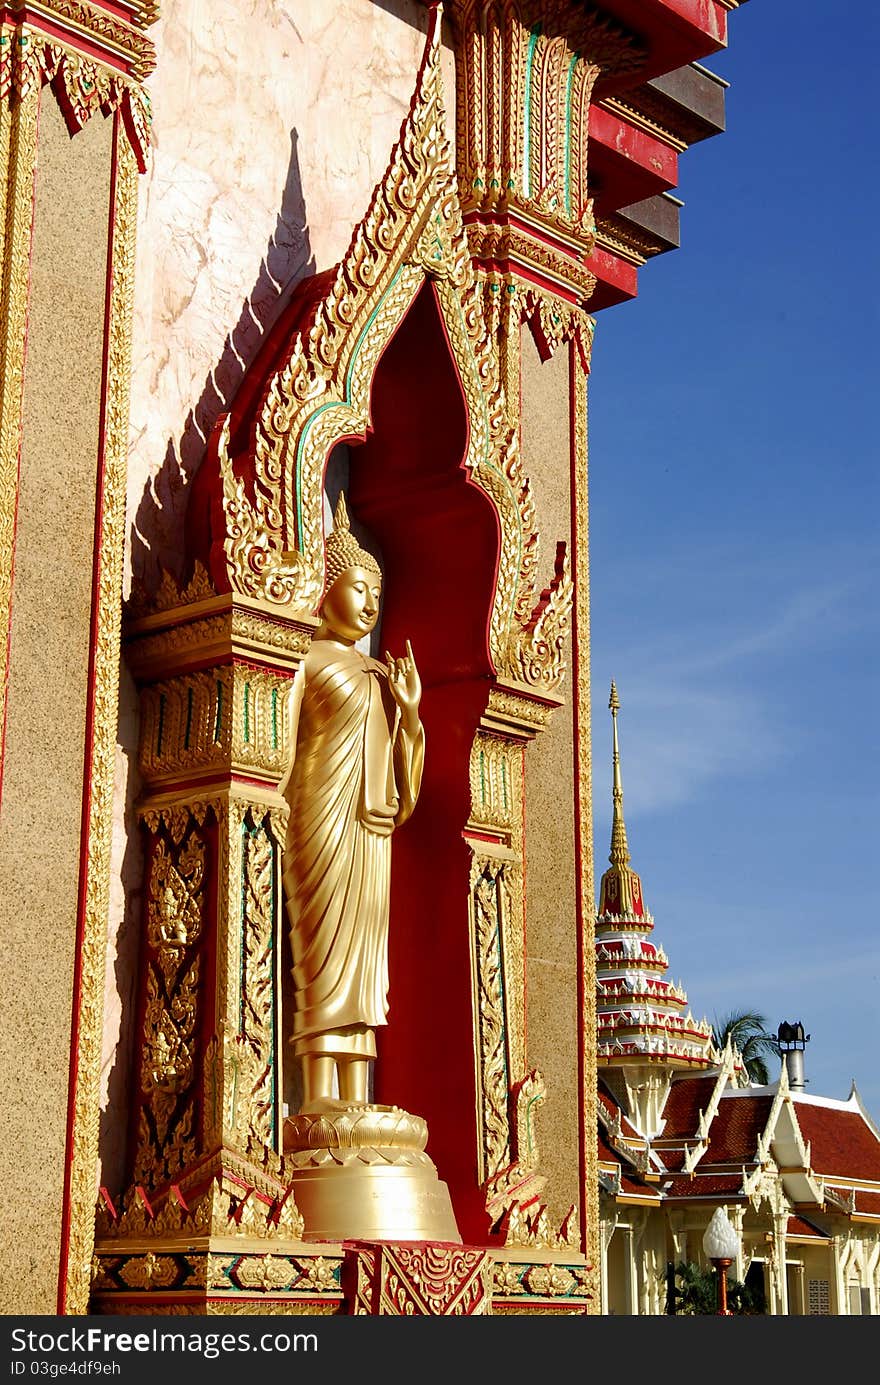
355	776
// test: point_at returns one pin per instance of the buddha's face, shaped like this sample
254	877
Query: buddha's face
351	606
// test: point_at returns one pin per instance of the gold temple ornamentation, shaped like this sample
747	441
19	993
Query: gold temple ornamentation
217	660
412	231
18	153
93	60
432	1280
525	74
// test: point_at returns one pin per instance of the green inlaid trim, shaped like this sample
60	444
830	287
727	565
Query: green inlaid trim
567	161
218	715
249	831
504	782
161	731
189	718
246	714
503	989
274	718
310	422
276	1092
483	775
246	832
527	111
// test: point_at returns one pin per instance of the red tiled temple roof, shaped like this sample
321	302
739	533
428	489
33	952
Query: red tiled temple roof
842	1144
707	1185
673	1159
638	1188
627	1129
687	1098
799	1226
733	1135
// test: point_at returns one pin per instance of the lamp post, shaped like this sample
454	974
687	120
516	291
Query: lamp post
721	1246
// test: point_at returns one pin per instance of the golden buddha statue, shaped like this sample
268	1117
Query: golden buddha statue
355	773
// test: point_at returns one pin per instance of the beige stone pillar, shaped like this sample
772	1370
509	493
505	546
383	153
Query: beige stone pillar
68	172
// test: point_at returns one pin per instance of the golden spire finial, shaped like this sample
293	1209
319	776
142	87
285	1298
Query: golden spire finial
619	848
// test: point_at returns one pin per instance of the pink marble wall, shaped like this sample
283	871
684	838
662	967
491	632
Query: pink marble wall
272	120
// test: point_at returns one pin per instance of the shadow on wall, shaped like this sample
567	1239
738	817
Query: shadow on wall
124	955
157	530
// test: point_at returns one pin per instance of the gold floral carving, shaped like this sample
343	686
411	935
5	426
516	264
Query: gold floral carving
174	918
518	712
229	1204
525	74
230	1076
493	772
258	980
18	145
530	1226
584	817
176	817
320	1273
100	768
552	322
82	82
93	21
231	714
552	1280
208	628
149	1271
267	1272
540	651
490	899
421	1280
170	595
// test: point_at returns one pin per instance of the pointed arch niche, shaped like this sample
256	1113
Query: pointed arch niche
391	353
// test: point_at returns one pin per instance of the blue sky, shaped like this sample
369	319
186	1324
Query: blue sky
734	549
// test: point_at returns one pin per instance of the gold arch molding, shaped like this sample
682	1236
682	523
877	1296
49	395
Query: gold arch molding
412	233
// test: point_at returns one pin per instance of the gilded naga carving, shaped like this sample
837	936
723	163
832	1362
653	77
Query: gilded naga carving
355	773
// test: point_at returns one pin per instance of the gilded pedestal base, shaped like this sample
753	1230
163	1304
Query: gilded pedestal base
361	1173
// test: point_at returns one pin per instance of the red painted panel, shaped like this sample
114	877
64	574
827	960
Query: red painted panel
626	164
616	280
439	584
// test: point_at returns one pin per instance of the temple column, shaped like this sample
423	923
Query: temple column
72	138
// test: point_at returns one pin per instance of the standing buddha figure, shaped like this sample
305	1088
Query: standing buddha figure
355	772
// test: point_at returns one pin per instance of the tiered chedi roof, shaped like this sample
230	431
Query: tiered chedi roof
640	1016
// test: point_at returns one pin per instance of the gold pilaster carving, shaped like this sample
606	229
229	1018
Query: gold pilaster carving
94	61
103	694
525	73
18	148
584	815
214	673
507	1095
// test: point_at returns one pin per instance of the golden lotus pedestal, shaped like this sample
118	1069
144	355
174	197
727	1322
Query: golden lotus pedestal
361	1173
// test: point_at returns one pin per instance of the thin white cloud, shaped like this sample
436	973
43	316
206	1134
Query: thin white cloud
675	739
706	635
756	981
